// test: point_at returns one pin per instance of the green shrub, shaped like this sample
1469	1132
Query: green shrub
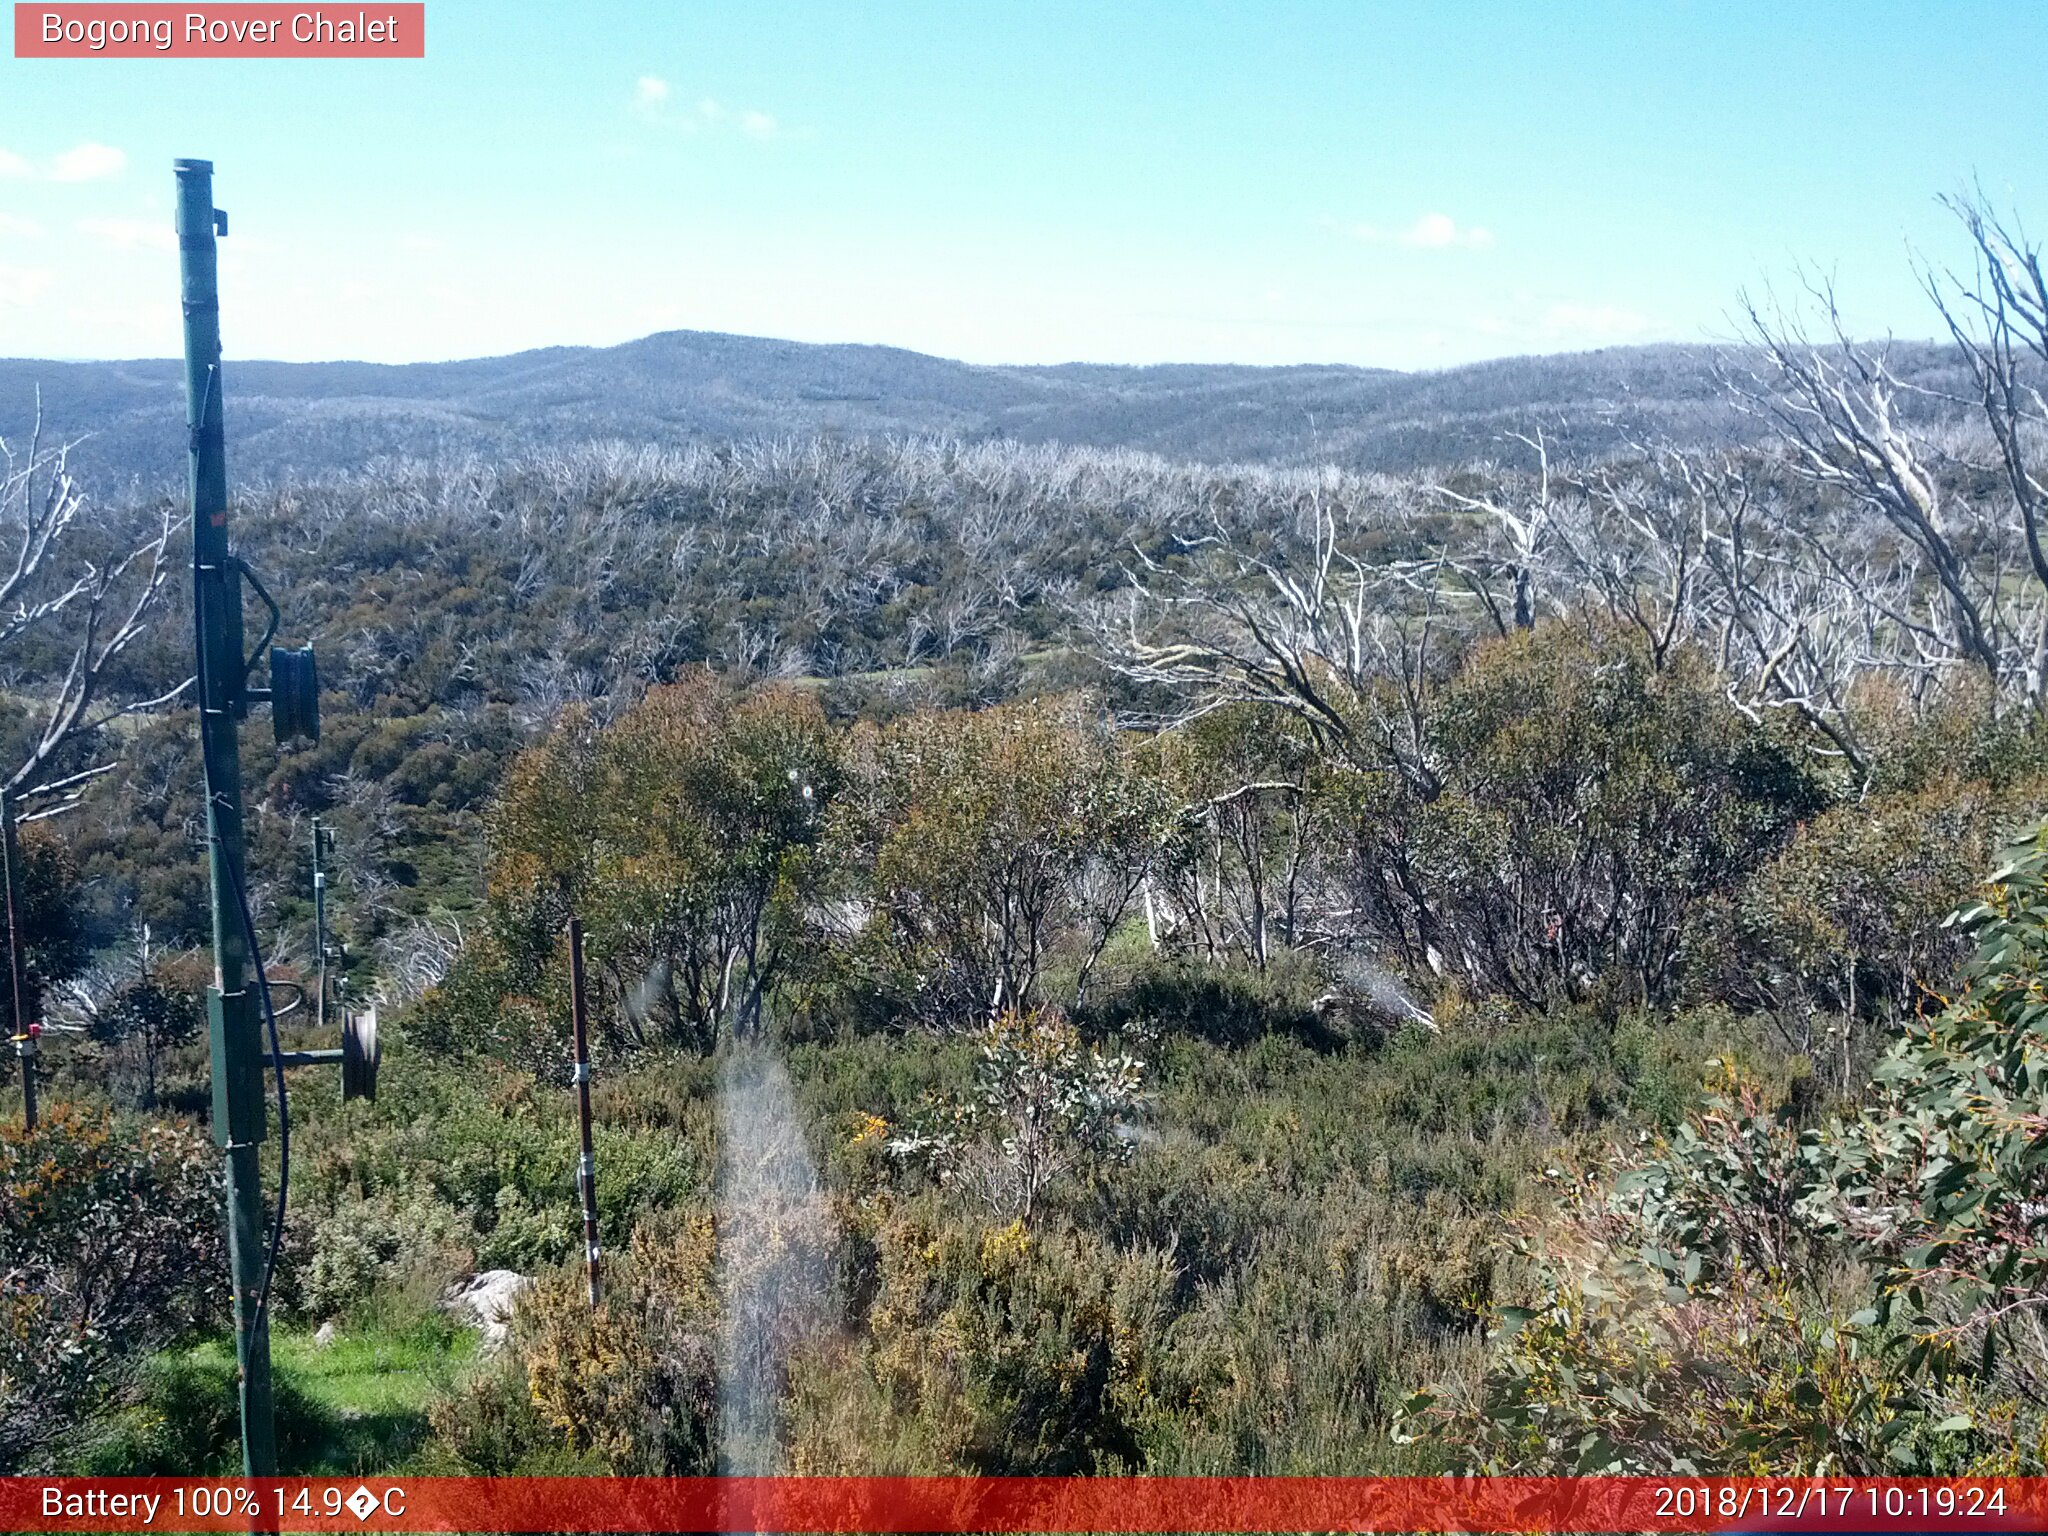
54	945
1585	800
993	1350
185	1420
1941	1179
1044	1111
489	1426
1224	1004
112	1232
989	844
529	1237
141	1024
634	1383
1857	1297
502	998
1844	929
685	835
363	1244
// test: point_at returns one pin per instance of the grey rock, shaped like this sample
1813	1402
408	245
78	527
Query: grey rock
485	1301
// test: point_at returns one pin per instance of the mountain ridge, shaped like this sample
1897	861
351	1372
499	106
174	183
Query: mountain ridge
289	420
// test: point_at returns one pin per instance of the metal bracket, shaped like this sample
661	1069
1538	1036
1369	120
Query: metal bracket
236	1039
269	630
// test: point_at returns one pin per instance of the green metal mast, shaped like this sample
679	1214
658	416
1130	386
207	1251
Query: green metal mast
233	1011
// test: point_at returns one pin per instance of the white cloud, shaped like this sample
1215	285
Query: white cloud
147	234
650	95
22	285
654	103
1431	232
13	167
88	162
14	224
1434	231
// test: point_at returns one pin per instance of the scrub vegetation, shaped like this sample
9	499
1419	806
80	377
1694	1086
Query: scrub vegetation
1529	964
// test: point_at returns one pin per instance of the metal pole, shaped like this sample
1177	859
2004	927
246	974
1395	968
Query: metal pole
320	836
586	1172
24	1035
233	1013
25	1053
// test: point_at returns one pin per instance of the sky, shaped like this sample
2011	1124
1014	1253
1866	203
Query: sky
1029	181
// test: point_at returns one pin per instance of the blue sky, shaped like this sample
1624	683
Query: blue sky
1268	181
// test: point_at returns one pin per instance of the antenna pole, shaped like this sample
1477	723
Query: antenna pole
24	1031
233	1013
322	839
586	1170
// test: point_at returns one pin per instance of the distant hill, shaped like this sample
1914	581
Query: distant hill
291	419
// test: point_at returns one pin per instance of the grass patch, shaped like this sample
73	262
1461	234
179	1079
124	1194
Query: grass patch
377	1372
360	1404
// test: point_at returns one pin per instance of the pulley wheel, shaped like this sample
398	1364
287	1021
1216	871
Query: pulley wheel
360	1055
294	694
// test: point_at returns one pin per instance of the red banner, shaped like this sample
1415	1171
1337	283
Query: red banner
1023	1504
262	31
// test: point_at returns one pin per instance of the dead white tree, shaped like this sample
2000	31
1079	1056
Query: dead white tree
1526	524
1836	410
1631	540
1998	318
417	958
1702	548
90	608
1800	617
1297	623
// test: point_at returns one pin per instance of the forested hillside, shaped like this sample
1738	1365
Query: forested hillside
1099	960
295	419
